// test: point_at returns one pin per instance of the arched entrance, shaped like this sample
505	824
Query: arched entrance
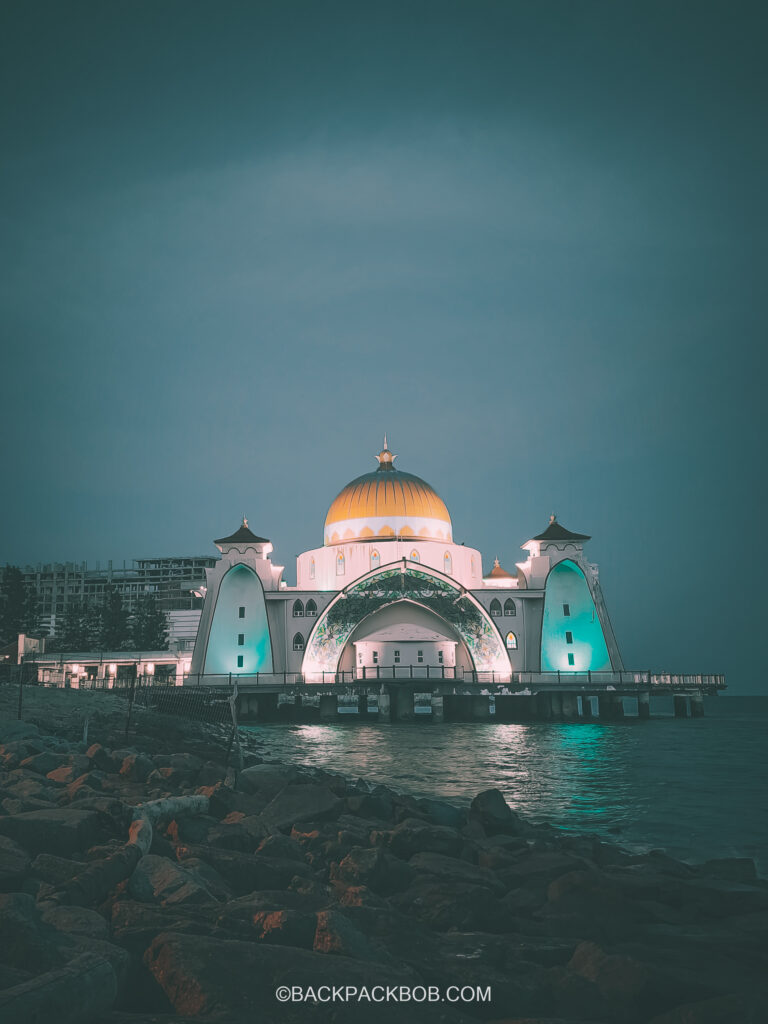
427	589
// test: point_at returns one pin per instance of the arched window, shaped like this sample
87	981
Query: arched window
415	556
311	568
298	609
511	642
495	607
509	607
298	642
375	559
447	564
311	609
340	563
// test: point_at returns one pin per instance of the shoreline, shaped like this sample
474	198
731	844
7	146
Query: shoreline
274	871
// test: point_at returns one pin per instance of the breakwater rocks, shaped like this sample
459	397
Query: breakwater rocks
150	882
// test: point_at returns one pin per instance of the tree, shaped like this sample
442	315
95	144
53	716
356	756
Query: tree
18	606
150	626
115	632
71	629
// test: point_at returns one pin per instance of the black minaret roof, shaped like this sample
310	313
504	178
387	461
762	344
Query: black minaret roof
242	536
555	531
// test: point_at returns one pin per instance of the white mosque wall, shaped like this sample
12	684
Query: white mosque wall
336	566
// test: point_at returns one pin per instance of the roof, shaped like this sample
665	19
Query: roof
242	536
556	531
498	573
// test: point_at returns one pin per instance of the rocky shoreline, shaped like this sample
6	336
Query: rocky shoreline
146	880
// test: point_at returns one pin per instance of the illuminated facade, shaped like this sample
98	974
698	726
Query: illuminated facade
389	590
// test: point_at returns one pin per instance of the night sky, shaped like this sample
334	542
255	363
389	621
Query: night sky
242	240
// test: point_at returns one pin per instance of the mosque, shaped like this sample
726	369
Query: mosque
390	594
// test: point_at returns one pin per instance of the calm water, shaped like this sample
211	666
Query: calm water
697	788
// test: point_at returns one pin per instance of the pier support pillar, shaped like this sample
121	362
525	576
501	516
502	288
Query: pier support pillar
542	706
362	705
458	707
438	711
680	702
481	707
697	705
328	707
569	706
264	707
644	705
385	708
610	706
402	703
556	703
586	709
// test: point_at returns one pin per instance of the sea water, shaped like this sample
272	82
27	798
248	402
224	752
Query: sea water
697	788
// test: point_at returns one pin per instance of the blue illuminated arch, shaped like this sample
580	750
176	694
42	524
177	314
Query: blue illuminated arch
240	587
571	625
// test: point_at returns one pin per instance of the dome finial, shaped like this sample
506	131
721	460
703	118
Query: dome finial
245	521
553	518
385	458
496	563
386	446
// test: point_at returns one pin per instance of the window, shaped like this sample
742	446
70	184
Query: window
340	563
311	568
375	559
511	642
570	659
420	656
495	607
375	657
447	564
239	661
440	657
298	642
298	609
397	657
241	612
566	609
241	639
310	609
509	607
568	636
415	556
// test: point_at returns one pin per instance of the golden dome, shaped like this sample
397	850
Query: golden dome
385	504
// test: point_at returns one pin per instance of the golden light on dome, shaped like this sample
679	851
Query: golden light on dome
387	503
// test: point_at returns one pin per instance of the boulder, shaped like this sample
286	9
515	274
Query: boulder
137	767
454	905
25	939
62	831
243	872
102	758
55	870
732	869
75	767
75	921
299	803
336	934
494	813
159	880
451	870
45	762
729	1009
266	780
14	864
414	836
374	868
281	846
283	927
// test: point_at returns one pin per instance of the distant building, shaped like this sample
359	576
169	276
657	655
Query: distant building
172	581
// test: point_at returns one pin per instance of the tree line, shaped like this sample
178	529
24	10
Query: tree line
84	625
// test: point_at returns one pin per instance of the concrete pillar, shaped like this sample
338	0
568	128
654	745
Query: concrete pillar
569	704
265	708
328	707
438	711
481	707
610	706
556	703
402	703
586	709
644	705
362	705
680	702
385	710
542	706
457	707
697	704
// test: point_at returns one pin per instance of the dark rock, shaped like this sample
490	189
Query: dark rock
283	928
203	976
235	835
494	813
76	921
245	872
102	758
267	780
732	869
14	864
336	934
59	831
539	869
374	868
192	829
25	939
729	1009
451	870
10	976
55	870
281	846
159	880
299	803
44	762
437	812
454	905
137	767
416	836
70	772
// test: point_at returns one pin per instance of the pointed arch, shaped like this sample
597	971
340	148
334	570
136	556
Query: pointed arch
415	556
511	641
447	564
570	609
240	587
509	607
298	609
339	563
495	608
310	609
298	642
311	568
375	559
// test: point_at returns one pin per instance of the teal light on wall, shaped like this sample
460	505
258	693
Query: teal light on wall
240	588
569	609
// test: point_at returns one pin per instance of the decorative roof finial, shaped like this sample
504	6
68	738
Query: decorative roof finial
385	458
496	563
245	521
553	518
386	446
